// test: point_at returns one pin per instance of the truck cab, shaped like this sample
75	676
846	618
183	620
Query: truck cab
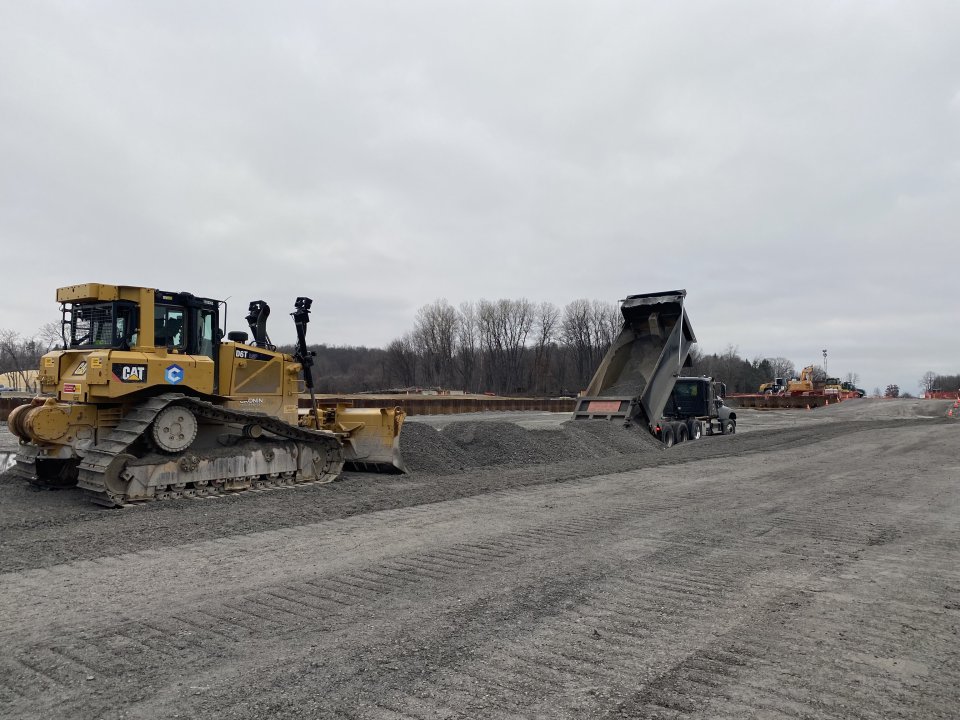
697	403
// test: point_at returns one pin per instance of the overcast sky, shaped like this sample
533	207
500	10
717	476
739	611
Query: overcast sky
794	165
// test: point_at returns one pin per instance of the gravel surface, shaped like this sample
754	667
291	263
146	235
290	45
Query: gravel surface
806	568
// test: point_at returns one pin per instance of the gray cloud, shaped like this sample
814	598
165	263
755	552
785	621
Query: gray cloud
796	167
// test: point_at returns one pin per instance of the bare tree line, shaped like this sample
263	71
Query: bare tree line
20	354
504	346
739	374
498	346
520	347
932	381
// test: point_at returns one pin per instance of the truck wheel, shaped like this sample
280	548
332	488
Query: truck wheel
681	433
694	429
666	437
728	427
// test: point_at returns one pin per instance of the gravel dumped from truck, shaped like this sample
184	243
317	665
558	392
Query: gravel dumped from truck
612	436
463	446
426	450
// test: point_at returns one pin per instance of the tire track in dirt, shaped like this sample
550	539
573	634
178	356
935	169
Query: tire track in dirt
722	674
279	611
47	528
843	665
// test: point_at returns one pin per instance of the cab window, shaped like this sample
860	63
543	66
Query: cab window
205	332
98	324
168	326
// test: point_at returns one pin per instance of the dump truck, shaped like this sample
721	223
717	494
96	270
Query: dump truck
147	400
638	382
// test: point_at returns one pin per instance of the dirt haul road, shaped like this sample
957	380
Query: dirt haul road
809	570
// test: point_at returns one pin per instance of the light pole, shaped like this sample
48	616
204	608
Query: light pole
825	362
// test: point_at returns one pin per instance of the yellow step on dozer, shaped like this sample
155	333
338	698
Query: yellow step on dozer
148	400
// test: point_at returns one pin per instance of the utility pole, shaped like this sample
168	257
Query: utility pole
825	372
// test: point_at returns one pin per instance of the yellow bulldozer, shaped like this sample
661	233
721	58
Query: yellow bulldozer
148	401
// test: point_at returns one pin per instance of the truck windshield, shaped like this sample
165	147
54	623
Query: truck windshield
98	325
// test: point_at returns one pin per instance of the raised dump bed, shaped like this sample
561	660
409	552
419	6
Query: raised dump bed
638	381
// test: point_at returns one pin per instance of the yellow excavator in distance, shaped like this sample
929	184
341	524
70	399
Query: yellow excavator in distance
147	400
804	384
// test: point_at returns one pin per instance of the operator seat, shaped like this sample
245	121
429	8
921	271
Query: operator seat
159	333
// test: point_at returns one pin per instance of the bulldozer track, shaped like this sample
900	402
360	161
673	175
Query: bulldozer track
98	459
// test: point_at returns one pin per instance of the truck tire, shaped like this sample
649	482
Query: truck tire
682	433
666	436
694	429
728	427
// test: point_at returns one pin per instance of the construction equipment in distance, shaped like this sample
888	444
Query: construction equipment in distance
146	400
777	387
849	390
832	388
638	381
806	393
804	384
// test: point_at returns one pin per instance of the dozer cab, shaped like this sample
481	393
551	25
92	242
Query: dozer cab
147	400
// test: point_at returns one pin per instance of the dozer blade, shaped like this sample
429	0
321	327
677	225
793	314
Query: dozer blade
7	461
370	436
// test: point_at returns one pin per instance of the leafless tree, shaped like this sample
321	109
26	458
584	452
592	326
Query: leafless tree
20	355
434	338
516	319
576	335
928	382
605	322
781	367
490	341
467	350
503	328
403	361
546	322
587	329
730	369
50	335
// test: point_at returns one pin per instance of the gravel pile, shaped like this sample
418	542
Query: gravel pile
496	443
463	446
426	450
612	436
